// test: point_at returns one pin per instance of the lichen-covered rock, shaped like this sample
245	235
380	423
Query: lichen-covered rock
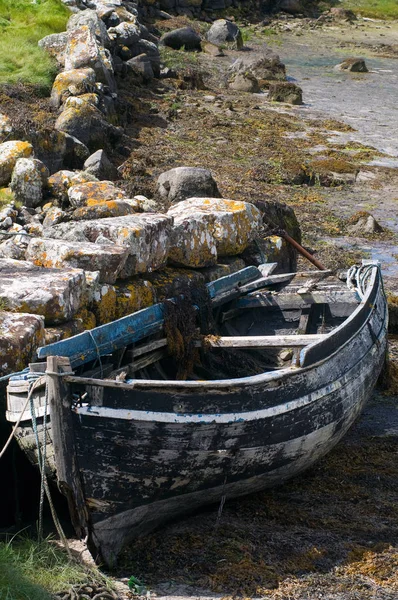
193	243
152	51
54	216
72	83
125	34
211	49
132	295
59	150
107	260
144	204
20	337
225	266
284	91
184	37
84	51
15	247
142	66
99	165
244	82
236	223
180	183
77	101
170	281
54	293
59	183
272	248
29	178
90	18
87	123
147	236
264	66
89	194
82	321
55	45
223	33
9	154
5	127
103	303
355	65
103	210
363	223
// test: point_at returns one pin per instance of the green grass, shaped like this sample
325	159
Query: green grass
22	24
34	571
379	9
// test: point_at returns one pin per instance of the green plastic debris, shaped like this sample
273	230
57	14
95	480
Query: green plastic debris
136	586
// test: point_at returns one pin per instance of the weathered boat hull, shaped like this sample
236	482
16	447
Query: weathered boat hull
146	452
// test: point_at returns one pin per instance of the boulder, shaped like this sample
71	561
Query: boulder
147	236
133	294
142	66
54	293
338	13
59	183
103	210
170	281
9	154
72	83
78	101
14	247
192	239
185	38
355	65
82	321
283	91
29	178
54	216
244	82
363	223
91	19
107	260
211	49
225	266
152	51
55	45
99	165
89	194
58	150
272	248
5	127
21	336
265	66
292	7
102	302
236	223
144	204
84	51
225	33
180	183
125	34
87	124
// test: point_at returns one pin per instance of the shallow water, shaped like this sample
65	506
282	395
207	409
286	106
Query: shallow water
367	102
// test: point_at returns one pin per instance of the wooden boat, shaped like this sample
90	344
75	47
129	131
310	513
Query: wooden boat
295	358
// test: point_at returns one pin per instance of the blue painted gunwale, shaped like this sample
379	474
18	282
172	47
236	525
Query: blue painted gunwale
107	338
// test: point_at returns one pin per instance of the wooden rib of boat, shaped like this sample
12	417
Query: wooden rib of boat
296	358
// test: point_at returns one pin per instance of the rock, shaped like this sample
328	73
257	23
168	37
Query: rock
5	127
363	223
146	235
59	183
56	294
91	19
170	282
21	336
58	150
292	7
55	45
107	260
235	226
29	178
244	82
99	165
266	66
72	83
342	14
141	65
89	194
355	65
77	101
225	266
87	124
9	154
211	49
83	51
144	204
152	51
224	32
193	243
14	247
132	295
54	216
283	91
125	34
180	183
279	215
103	210
185	38
83	320
272	248
103	302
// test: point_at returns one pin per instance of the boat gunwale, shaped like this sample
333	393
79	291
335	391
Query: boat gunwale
267	377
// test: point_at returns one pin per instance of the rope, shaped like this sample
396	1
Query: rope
98	352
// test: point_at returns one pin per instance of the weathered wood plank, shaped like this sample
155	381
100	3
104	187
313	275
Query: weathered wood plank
68	474
282	278
261	341
286	300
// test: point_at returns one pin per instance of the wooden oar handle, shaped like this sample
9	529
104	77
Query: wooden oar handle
301	250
